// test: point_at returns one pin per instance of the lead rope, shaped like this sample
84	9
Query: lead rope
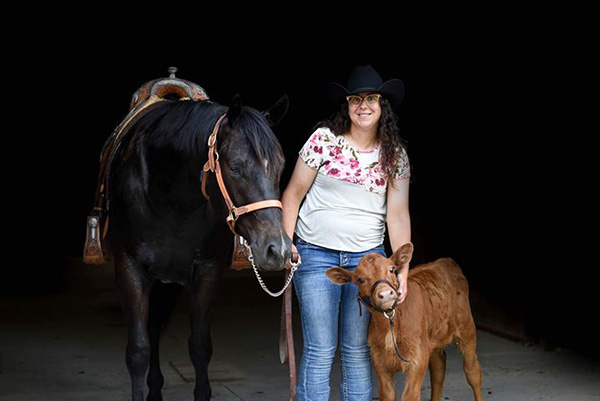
260	281
391	319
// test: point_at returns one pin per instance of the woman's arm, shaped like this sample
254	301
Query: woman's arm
302	178
398	222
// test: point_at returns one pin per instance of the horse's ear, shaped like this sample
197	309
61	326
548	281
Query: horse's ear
235	108
275	113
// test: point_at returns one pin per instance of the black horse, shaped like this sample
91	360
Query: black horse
163	230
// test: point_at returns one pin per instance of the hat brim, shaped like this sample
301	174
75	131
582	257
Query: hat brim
392	90
336	92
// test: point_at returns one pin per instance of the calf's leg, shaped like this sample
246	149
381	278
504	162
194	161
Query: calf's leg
437	372
414	379
467	345
387	389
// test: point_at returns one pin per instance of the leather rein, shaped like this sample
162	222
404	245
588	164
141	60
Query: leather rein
389	313
214	166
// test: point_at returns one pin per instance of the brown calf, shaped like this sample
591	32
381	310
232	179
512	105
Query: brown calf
435	312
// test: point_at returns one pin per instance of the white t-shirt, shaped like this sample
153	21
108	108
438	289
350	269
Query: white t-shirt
346	207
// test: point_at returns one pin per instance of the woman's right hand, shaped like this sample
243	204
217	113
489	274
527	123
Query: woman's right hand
302	178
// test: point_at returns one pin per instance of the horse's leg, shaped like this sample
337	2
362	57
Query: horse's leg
134	287
202	299
162	300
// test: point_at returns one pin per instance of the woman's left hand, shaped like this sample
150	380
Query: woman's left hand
403	287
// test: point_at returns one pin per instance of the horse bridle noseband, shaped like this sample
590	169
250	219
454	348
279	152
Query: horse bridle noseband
389	313
213	165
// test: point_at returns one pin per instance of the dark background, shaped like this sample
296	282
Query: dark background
500	156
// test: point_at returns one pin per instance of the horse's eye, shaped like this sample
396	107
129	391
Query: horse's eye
393	269
235	169
360	280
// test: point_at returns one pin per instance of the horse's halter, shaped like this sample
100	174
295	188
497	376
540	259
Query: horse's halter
213	165
389	313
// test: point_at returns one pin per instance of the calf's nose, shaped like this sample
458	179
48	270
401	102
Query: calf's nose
385	294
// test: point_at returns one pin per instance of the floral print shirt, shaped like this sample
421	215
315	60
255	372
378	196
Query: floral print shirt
333	156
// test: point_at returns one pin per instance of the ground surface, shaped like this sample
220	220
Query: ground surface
69	345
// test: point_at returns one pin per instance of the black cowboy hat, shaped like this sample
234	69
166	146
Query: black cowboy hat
364	78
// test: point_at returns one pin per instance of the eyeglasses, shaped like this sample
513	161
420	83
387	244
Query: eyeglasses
371	99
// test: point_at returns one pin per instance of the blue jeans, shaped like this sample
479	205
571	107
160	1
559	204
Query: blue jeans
330	316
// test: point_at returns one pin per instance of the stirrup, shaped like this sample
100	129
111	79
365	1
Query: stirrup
92	250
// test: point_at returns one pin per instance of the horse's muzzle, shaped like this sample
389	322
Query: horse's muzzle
273	253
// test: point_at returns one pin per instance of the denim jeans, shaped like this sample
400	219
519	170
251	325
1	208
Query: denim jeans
330	317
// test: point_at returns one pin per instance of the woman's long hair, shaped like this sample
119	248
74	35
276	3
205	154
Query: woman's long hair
388	134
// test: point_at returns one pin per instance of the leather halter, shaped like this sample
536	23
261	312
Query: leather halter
389	313
213	165
367	300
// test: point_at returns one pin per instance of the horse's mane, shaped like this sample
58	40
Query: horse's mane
186	125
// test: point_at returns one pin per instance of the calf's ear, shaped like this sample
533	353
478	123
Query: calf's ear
403	255
338	275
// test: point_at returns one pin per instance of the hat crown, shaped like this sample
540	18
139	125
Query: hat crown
364	77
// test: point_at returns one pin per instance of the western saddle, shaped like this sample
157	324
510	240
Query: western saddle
146	98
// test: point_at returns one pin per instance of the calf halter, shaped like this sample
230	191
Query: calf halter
213	165
389	313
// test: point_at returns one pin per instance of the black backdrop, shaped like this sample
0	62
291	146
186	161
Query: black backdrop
490	150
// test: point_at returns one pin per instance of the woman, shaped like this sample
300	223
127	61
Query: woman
353	171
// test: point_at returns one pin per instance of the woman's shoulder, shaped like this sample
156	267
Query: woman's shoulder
322	136
402	170
324	133
402	155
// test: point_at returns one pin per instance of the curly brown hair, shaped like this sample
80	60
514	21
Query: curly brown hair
388	134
